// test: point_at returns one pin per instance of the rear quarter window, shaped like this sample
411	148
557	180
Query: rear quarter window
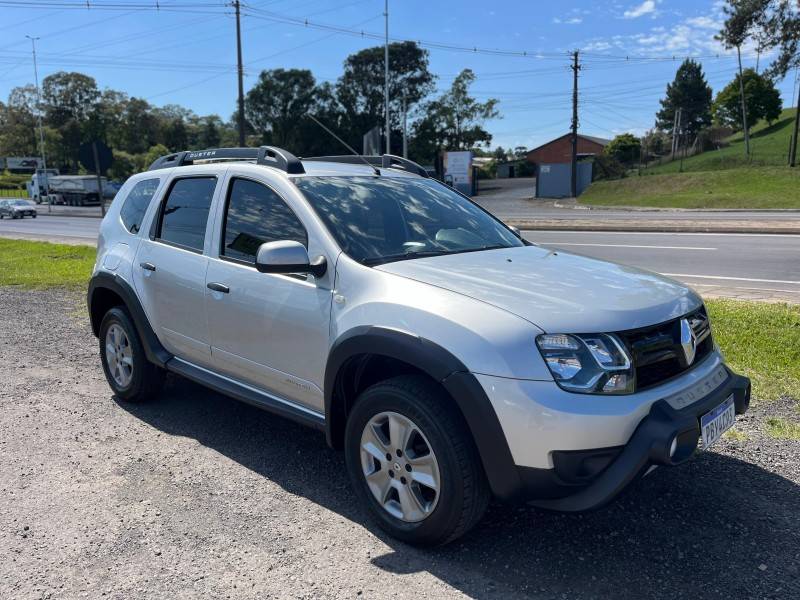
134	206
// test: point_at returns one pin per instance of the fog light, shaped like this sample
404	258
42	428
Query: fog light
673	447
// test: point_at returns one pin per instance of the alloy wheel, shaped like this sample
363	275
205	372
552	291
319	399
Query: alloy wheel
400	467
119	355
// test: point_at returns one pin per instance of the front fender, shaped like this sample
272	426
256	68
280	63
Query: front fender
444	368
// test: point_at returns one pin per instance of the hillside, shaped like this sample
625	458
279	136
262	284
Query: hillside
747	187
769	145
716	179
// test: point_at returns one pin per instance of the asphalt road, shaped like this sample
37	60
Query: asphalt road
753	266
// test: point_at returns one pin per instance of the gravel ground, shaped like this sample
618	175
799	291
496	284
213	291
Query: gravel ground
196	495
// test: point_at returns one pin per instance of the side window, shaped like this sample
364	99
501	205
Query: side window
185	212
255	215
135	205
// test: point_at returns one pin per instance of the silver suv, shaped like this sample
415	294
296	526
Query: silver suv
450	359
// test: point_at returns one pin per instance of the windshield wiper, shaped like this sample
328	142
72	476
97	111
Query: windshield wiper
378	260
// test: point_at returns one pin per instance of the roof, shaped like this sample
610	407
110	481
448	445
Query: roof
599	140
591	138
288	163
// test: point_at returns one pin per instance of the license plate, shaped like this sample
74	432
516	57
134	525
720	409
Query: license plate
713	424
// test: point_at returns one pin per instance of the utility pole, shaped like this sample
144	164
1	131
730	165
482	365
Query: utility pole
386	76
744	107
405	127
793	149
675	120
41	129
574	174
240	73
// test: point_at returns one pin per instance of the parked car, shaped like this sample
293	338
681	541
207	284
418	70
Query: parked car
449	358
17	209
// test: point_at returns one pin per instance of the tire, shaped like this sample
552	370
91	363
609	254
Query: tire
137	379
34	216
463	492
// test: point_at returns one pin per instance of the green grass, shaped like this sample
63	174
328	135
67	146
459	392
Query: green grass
769	146
761	341
716	179
751	187
783	428
43	265
13	193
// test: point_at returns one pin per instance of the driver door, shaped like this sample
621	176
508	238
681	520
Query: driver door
267	330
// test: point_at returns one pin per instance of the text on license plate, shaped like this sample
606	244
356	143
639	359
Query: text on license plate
716	422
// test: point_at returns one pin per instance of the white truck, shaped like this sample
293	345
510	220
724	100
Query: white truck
76	190
39	184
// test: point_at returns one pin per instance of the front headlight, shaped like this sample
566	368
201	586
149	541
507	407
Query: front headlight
588	364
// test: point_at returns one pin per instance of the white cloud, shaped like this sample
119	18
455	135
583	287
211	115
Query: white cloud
645	8
569	21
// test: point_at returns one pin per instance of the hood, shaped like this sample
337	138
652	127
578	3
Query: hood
557	291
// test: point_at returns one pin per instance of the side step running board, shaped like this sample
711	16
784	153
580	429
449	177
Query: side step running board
244	393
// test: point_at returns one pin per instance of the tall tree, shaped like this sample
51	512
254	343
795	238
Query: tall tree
454	121
68	96
691	93
762	99
359	90
278	103
775	26
18	123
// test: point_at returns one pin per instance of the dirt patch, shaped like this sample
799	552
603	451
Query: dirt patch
196	495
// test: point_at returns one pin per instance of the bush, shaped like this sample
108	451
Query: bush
607	167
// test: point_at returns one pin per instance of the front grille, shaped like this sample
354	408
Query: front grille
657	352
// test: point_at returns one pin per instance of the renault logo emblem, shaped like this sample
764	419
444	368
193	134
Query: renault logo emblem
688	341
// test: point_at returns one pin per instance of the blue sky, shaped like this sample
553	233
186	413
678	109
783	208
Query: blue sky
185	53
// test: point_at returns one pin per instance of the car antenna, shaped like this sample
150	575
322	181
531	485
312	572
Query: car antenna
346	145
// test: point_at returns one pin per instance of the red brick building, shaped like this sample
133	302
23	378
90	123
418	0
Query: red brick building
559	150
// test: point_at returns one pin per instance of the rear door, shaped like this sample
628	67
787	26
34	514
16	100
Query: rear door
267	330
170	268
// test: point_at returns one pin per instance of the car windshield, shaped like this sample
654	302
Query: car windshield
20	203
382	219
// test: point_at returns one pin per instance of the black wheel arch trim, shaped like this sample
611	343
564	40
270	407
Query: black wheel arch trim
102	280
439	364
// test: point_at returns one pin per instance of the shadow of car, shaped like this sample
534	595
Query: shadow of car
717	527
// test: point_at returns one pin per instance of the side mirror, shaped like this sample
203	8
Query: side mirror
516	231
288	257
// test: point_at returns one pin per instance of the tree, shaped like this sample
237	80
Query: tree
762	99
68	97
625	148
276	105
360	89
655	142
775	25
209	135
18	134
455	120
691	93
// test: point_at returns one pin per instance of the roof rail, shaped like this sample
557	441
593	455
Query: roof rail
265	155
386	161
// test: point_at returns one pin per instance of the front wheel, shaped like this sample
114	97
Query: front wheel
413	463
131	376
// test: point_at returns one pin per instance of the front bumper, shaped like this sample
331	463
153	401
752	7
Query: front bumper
588	479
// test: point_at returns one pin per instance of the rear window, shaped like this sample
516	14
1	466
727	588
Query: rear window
185	212
136	203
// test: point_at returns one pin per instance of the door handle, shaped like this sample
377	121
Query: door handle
218	287
147	266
